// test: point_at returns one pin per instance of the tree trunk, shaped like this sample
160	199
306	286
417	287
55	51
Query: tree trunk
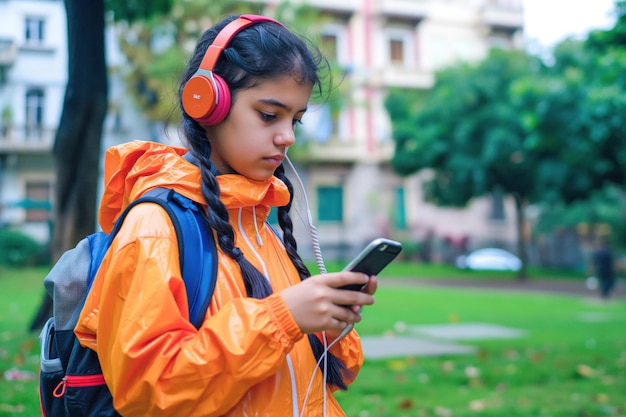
79	135
522	275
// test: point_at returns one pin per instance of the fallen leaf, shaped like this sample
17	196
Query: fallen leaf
585	371
472	372
477	405
406	404
397	365
601	398
442	411
447	366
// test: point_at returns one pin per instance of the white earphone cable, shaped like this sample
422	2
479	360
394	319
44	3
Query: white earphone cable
317	251
324	358
315	241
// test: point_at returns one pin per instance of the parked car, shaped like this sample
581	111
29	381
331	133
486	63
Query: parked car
493	259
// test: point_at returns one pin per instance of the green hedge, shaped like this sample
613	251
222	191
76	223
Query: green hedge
18	249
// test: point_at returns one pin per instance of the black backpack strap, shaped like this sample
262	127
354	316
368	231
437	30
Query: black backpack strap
198	263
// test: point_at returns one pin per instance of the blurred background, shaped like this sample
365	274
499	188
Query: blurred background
451	125
482	134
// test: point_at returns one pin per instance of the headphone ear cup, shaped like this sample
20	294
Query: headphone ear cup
199	97
222	106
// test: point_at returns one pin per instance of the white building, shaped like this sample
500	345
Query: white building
33	73
353	192
33	76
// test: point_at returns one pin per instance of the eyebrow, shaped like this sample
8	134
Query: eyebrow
274	102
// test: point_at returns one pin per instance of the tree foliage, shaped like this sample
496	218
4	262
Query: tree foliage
468	130
539	133
136	10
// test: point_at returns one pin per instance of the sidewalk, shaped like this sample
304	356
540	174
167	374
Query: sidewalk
560	286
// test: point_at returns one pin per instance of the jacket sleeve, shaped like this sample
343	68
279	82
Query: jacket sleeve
154	361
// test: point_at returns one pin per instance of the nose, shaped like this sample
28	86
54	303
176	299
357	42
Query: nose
286	136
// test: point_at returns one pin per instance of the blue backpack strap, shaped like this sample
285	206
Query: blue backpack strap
199	261
198	265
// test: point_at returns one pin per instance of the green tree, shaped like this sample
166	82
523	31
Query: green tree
539	133
468	130
601	40
575	115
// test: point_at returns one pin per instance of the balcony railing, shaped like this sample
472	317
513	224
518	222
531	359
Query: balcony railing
26	139
406	9
504	15
8	52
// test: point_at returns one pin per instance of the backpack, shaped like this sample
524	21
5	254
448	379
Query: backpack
71	381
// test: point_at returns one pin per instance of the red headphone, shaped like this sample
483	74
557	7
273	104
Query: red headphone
206	97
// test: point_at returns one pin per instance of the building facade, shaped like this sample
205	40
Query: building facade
33	73
33	76
343	153
354	193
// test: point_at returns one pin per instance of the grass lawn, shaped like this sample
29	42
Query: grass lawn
571	362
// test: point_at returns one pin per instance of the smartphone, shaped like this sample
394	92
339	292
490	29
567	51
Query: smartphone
373	259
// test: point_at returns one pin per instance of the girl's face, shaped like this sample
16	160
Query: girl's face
253	139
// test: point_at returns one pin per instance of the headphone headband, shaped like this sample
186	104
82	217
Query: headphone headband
224	37
206	96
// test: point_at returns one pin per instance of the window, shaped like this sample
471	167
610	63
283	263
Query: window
330	204
34	30
400	44
400	210
396	51
37	202
329	46
333	43
34	110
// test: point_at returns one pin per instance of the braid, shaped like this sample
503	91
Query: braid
286	225
217	217
336	371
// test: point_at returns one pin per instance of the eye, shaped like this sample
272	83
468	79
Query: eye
267	117
296	122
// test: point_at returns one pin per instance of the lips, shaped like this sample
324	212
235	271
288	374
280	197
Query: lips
276	159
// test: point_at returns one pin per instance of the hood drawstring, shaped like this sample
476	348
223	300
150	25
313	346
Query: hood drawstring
259	241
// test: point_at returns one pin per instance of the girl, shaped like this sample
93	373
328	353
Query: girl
260	349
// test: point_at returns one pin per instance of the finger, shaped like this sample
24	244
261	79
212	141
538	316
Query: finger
341	279
347	314
341	325
345	298
372	285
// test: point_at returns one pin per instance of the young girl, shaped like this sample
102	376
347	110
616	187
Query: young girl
259	351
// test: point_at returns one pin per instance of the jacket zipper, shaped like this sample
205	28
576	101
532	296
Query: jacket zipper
77	381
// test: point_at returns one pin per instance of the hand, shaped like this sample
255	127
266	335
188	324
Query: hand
318	305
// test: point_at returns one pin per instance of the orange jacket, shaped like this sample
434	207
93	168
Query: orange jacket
249	358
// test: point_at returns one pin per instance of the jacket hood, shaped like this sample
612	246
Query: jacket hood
131	169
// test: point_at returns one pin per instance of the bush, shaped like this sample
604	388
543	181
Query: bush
18	249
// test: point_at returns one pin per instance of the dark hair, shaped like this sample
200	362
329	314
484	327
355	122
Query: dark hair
262	51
